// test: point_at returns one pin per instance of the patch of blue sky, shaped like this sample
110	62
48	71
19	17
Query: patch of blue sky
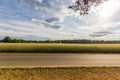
11	10
7	28
12	29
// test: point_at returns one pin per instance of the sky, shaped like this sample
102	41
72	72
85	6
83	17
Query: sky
51	19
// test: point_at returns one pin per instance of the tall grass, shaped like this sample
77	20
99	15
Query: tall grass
63	73
58	48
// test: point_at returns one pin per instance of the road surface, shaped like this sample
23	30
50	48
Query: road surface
58	60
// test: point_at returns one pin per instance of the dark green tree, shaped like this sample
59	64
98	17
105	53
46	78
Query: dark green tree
7	39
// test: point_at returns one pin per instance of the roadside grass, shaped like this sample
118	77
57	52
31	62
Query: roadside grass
58	48
61	73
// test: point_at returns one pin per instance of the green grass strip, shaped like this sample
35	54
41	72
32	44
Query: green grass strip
58	48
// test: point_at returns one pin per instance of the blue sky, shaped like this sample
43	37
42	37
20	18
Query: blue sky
51	19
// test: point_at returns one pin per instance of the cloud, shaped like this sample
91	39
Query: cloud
34	37
37	4
115	27
21	35
100	34
11	33
50	20
54	8
53	26
37	31
47	24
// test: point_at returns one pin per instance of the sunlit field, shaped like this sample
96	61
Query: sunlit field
58	48
63	73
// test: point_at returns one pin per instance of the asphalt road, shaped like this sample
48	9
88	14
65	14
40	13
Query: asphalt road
58	60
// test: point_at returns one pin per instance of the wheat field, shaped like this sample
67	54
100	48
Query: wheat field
58	48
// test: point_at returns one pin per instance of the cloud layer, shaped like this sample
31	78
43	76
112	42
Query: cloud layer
51	19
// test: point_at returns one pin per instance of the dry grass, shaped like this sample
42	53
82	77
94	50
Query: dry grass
58	48
64	73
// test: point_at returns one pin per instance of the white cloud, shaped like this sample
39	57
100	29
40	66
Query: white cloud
52	19
39	0
47	24
31	28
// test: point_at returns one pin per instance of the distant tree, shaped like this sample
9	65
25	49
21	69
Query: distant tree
7	39
84	6
14	40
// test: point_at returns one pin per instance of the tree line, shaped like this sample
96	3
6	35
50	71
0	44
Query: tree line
8	39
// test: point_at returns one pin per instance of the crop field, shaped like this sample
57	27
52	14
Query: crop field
61	73
58	48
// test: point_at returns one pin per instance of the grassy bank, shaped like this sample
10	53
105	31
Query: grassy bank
65	73
58	48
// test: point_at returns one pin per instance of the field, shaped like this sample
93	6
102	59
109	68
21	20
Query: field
63	73
58	48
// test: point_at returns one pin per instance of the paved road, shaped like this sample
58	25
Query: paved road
24	60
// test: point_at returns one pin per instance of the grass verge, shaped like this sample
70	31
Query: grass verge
61	73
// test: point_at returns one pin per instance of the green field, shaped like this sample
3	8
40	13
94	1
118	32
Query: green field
58	48
63	73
